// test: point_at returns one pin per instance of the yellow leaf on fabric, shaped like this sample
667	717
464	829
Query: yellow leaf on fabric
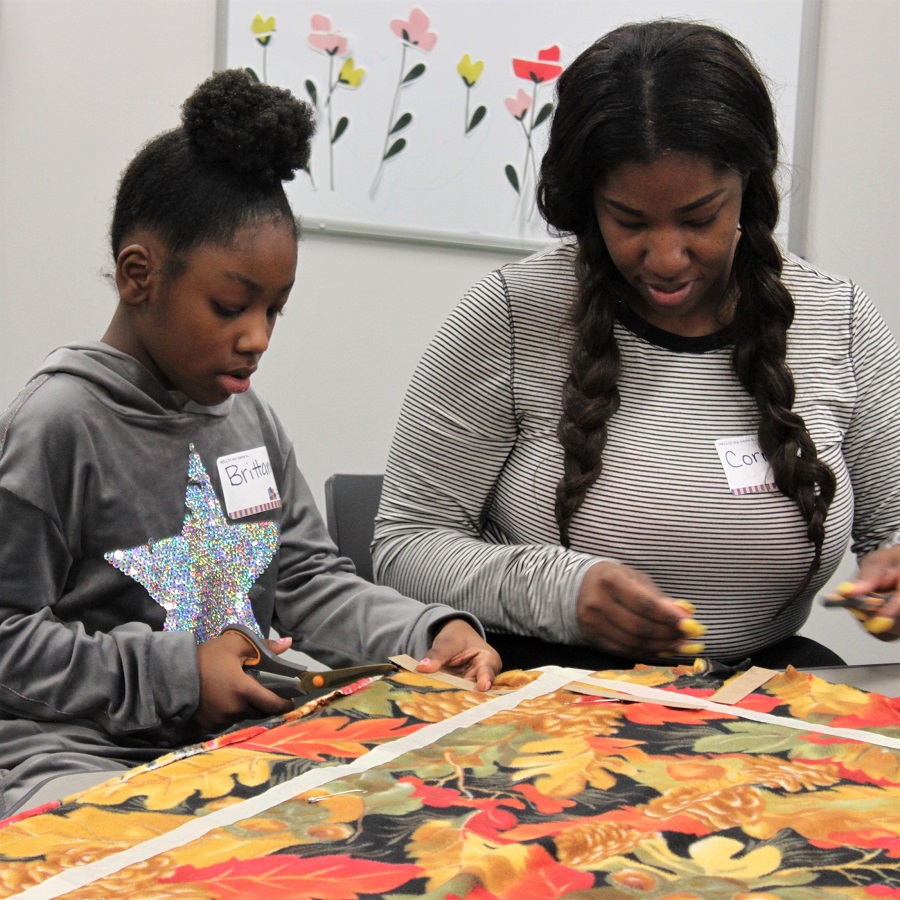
716	854
210	775
808	697
563	767
440	848
829	815
54	843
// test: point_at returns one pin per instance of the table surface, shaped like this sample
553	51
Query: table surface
404	787
882	678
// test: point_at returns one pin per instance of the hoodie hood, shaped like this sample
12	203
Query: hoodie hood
120	380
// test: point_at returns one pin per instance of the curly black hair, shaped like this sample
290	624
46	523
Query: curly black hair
639	92
220	170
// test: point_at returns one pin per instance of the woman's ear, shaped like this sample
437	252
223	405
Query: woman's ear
134	274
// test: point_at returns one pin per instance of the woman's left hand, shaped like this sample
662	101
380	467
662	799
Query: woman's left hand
879	572
459	649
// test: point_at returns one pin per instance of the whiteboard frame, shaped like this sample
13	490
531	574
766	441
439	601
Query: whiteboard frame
800	163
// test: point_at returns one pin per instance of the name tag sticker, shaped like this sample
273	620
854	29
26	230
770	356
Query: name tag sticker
248	483
746	466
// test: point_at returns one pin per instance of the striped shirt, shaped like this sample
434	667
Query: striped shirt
466	515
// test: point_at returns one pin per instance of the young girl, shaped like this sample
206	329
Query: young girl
149	498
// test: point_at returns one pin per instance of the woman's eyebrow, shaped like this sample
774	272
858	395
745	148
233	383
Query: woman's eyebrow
688	207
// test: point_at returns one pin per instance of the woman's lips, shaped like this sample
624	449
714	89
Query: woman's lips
668	296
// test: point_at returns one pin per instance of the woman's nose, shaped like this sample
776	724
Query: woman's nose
666	255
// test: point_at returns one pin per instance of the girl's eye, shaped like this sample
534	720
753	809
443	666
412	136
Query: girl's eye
274	311
630	226
702	223
226	312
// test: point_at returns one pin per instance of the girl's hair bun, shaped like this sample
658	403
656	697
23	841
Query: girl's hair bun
260	132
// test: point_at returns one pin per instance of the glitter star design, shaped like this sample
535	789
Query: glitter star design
201	576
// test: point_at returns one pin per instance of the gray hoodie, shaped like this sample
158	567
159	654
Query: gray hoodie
118	551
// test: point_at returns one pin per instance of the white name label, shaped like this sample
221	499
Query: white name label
248	483
746	466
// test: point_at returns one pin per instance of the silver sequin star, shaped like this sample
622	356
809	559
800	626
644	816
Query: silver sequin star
201	576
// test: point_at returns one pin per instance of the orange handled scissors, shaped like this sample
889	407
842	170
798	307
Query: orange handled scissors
264	660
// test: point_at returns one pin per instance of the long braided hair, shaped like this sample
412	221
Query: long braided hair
639	92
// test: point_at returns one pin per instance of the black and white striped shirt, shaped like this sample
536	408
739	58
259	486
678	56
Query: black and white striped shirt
466	514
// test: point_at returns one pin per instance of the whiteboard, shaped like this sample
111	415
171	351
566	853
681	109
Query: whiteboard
385	76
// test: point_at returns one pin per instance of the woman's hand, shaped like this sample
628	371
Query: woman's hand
459	649
879	572
228	693
620	610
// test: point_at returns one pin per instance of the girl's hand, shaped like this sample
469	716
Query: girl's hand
459	649
228	693
620	610
879	571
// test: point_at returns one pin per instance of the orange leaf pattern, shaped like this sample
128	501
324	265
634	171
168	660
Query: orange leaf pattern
563	795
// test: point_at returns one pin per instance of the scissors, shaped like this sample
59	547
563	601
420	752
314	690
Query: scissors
264	660
865	602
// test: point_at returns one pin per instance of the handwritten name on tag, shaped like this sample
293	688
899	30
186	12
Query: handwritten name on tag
746	466
248	482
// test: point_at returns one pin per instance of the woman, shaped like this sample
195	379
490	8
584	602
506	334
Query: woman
665	407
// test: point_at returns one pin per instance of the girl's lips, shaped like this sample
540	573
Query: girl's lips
232	384
667	297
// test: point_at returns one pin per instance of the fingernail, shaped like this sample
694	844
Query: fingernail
845	588
691	628
686	605
879	624
424	659
692	648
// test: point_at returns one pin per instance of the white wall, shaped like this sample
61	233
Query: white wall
84	82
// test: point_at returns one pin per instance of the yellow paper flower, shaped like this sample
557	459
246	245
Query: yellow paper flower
469	71
263	28
350	76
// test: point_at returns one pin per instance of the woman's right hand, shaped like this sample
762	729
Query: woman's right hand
620	610
228	693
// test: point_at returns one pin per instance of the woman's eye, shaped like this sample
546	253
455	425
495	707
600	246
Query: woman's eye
630	226
274	311
701	223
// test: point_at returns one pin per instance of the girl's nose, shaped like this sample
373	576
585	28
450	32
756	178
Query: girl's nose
254	339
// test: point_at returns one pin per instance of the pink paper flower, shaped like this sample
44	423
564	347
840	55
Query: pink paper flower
545	68
415	31
325	37
519	105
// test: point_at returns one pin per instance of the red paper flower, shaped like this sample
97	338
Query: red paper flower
545	68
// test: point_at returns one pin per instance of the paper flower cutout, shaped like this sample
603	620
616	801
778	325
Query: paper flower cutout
414	31
524	109
325	38
262	29
545	68
350	76
519	105
470	72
